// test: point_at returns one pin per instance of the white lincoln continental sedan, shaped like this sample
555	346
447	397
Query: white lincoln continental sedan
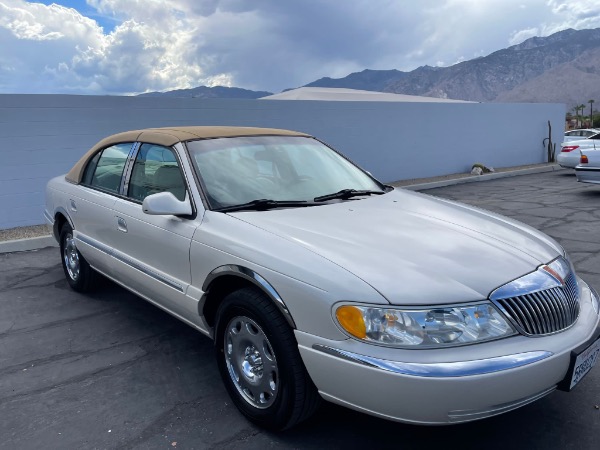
316	281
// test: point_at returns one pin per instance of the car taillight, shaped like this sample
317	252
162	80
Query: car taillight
569	148
583	159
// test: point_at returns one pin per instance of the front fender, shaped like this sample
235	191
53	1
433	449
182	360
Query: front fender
248	275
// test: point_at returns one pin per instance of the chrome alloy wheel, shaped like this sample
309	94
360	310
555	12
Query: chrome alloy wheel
71	257
251	362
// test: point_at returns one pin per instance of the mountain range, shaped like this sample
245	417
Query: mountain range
561	68
209	92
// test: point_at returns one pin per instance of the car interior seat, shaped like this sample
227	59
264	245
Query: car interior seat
168	179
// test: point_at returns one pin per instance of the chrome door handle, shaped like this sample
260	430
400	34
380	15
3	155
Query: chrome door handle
121	224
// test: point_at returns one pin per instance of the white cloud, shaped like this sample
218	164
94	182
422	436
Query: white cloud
577	14
519	36
257	44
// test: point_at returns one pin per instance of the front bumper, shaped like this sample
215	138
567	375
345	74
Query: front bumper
445	385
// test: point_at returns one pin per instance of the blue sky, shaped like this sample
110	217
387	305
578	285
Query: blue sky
105	21
124	47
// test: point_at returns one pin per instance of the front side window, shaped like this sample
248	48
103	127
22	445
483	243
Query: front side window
155	170
282	168
105	170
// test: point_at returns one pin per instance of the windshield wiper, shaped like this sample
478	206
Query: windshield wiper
346	193
264	204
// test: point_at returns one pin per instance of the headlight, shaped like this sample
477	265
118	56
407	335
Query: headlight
442	326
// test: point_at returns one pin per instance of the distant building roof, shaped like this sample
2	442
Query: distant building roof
353	95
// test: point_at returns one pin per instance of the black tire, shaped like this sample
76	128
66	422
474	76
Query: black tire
80	276
295	397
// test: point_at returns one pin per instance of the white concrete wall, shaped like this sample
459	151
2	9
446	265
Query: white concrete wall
41	136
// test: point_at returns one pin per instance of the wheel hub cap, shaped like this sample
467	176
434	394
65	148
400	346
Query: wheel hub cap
252	365
71	257
251	362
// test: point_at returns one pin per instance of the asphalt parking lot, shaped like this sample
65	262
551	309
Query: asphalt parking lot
109	370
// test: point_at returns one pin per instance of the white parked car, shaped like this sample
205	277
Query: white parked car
588	170
571	151
317	281
577	135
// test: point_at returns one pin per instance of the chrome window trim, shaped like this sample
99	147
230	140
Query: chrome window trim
128	168
130	262
440	370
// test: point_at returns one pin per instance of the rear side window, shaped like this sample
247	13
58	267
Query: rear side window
105	170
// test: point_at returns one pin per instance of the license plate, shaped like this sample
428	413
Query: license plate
584	363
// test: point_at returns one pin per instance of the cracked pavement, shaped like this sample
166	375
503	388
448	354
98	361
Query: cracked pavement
109	370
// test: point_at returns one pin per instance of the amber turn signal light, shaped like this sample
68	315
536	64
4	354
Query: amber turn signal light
351	319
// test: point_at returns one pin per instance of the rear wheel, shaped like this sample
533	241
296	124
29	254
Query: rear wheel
80	276
259	362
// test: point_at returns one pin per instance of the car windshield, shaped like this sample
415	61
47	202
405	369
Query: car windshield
240	170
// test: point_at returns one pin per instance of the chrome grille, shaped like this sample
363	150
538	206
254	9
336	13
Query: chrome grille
544	311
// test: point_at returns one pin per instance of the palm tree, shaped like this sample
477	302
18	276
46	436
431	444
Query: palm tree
575	109
591	102
582	108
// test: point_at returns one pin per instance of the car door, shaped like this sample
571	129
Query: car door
152	251
90	204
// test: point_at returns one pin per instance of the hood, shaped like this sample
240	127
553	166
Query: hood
412	248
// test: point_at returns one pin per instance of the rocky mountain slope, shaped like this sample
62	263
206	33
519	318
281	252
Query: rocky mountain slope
563	67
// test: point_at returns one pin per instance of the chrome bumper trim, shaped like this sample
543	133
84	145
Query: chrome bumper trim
442	370
472	414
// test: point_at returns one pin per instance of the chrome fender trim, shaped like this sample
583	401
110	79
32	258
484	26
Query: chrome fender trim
62	211
440	370
49	219
253	277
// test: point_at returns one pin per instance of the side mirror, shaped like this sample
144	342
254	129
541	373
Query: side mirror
166	204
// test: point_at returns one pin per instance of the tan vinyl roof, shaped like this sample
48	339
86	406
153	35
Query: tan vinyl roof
169	137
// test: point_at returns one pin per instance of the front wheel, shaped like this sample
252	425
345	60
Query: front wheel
259	362
80	276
